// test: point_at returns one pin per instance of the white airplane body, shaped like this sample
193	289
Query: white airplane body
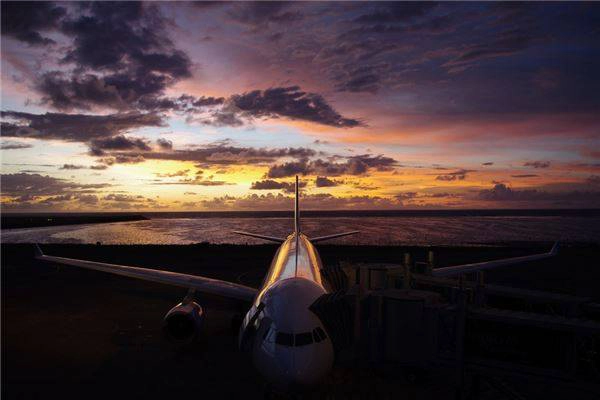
289	344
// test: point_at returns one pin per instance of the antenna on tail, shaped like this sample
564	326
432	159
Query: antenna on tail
297	209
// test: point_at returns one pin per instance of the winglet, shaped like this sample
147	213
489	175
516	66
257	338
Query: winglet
38	252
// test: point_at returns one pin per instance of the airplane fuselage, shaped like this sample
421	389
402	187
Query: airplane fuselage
287	341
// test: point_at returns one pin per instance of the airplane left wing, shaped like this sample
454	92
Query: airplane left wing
199	283
467	268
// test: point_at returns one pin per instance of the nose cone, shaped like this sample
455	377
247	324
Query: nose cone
298	370
287	352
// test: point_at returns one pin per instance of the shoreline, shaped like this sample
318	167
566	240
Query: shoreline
14	221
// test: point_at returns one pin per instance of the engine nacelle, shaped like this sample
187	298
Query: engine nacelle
183	323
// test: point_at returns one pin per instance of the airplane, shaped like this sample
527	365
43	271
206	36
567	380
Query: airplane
289	344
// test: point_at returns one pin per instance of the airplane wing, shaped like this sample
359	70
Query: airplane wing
258	236
199	283
467	268
335	235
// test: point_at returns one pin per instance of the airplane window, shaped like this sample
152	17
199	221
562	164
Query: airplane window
302	339
284	339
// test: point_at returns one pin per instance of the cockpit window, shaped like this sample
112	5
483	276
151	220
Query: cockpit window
284	339
319	334
303	339
298	339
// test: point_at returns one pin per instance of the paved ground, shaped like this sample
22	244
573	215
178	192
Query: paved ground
71	333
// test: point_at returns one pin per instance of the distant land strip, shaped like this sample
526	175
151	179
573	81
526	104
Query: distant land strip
14	221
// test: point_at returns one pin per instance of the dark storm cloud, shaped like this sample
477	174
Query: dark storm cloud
356	165
537	164
121	52
117	36
502	193
25	20
10	145
289	102
73	127
34	185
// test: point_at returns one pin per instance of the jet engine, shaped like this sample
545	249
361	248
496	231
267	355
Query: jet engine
183	323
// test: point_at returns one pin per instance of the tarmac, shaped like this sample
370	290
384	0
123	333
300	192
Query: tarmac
72	333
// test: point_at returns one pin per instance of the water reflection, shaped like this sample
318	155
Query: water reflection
374	230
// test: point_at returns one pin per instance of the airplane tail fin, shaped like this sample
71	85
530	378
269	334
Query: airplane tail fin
297	208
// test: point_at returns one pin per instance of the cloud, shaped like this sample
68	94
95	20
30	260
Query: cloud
508	42
121	54
459	175
223	154
355	165
164	144
71	166
19	185
10	145
197	180
487	164
323	181
269	184
73	127
259	16
502	193
25	20
593	179
395	12
287	102
525	176
537	164
117	143
321	201
183	172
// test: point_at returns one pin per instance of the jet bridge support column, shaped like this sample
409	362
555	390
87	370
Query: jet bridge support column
461	318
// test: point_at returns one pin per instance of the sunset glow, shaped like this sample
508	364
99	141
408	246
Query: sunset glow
203	106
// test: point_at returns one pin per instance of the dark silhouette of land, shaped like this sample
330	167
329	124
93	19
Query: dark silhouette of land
73	333
13	221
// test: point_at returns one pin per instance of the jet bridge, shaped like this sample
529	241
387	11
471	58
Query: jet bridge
400	316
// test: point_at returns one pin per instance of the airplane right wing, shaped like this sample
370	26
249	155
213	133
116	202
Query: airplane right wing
259	236
467	268
335	235
199	283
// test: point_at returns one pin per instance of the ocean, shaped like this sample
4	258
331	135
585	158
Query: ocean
376	228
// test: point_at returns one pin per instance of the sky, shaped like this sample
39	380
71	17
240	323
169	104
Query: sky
192	106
